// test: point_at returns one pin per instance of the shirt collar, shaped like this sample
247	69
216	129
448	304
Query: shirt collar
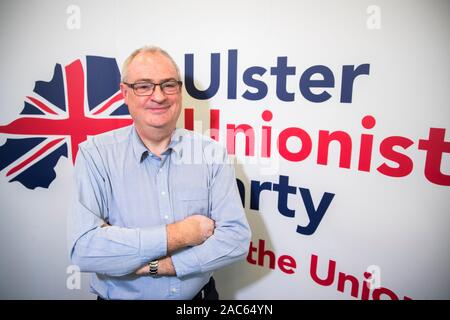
176	142
141	151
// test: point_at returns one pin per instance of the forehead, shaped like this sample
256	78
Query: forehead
152	66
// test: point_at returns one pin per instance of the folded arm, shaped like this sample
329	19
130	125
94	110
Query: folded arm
95	246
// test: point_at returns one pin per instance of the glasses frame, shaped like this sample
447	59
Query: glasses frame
132	86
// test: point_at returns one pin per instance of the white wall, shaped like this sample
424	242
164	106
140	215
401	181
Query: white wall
399	225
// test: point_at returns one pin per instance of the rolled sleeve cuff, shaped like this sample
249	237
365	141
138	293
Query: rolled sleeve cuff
153	242
186	262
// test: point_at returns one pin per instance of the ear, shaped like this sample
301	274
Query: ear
124	91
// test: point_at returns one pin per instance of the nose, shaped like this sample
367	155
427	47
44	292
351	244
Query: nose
158	94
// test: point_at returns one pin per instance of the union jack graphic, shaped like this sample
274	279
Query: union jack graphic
82	99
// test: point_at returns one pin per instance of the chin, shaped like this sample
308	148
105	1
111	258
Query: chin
158	125
157	122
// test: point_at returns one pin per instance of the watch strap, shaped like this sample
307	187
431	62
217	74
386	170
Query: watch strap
153	268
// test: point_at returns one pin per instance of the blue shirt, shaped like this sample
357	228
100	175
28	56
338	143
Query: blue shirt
120	182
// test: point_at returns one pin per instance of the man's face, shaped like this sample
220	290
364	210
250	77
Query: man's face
158	110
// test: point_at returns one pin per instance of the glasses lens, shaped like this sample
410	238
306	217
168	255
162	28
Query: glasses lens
143	88
170	87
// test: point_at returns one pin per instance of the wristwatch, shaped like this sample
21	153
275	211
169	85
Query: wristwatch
153	268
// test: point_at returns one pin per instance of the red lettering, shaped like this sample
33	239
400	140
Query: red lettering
263	253
250	253
214	120
365	148
435	146
249	133
189	119
330	275
379	291
365	286
342	278
345	142
266	139
405	164
287	264
305	149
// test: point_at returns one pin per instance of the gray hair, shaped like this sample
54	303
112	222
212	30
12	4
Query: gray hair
146	49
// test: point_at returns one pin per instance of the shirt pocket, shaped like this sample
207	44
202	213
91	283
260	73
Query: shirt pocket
193	200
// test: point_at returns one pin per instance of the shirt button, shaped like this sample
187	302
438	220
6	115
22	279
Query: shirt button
160	170
163	193
173	290
166	217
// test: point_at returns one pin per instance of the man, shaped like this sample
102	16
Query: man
156	209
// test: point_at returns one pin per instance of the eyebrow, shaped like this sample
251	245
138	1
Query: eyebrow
151	80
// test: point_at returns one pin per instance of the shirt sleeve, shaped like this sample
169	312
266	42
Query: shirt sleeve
111	250
231	238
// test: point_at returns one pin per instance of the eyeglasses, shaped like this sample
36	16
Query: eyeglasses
146	88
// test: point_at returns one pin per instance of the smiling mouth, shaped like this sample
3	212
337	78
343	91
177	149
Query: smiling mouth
157	109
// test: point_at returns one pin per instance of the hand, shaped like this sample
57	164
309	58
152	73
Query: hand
192	231
197	229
